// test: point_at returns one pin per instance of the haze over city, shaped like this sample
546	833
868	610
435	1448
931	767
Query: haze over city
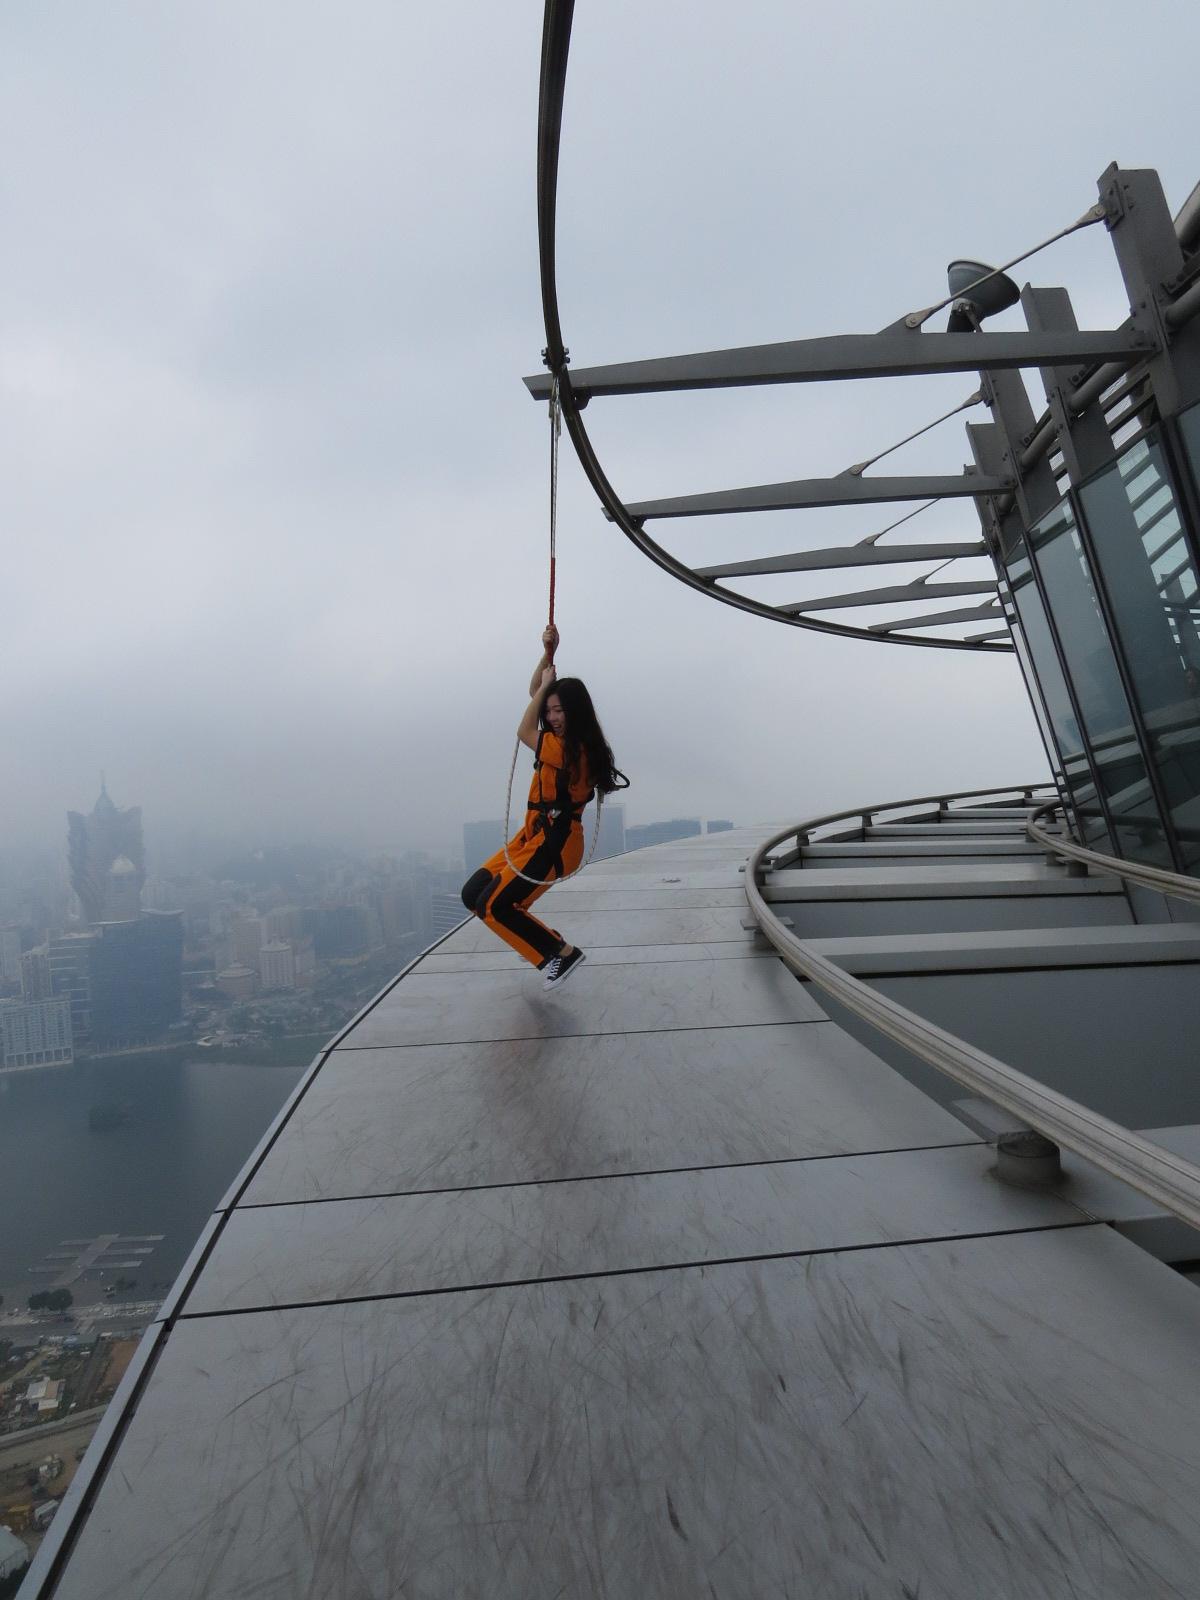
275	496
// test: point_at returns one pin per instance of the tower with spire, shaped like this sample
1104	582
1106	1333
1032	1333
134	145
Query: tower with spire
107	859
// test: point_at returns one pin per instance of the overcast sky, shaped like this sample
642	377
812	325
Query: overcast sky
274	497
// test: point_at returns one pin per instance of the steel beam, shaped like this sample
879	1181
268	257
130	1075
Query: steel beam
895	352
810	493
896	591
855	555
938	618
1081	435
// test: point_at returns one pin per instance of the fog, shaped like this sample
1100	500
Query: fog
275	498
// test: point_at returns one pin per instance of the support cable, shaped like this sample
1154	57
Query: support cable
860	467
1092	215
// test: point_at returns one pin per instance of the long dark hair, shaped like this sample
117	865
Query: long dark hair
584	735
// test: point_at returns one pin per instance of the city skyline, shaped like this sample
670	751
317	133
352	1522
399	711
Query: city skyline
101	956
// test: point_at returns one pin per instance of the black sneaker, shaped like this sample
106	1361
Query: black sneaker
560	968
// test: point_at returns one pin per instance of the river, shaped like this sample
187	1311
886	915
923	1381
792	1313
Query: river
187	1127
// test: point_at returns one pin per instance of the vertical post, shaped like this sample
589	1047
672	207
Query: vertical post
1151	261
1008	400
1085	441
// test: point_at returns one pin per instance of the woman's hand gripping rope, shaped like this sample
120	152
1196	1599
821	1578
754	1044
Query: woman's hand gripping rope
544	675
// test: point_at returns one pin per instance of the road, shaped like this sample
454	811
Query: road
61	1439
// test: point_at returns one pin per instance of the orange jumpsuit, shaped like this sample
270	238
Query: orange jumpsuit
548	846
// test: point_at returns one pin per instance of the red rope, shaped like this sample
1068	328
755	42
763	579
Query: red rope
554	428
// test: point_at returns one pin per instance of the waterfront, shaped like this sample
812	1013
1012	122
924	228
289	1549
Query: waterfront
183	1128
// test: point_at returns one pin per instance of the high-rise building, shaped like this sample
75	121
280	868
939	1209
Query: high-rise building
611	840
662	832
305	960
35	1034
277	965
10	955
448	911
339	932
246	940
70	960
395	908
35	974
283	922
137	978
718	825
481	840
159	894
93	845
122	891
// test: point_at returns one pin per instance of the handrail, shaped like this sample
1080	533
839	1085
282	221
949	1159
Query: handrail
803	829
1167	1179
1157	878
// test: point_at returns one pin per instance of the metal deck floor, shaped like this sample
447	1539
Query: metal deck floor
661	1285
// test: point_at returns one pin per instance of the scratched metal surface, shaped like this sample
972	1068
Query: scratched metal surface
637	894
881	1422
440	1008
702	885
687	925
411	1244
661	1285
703	856
501	959
455	1116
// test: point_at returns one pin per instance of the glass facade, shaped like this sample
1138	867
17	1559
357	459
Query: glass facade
1189	432
1104	595
1060	726
1133	521
1114	743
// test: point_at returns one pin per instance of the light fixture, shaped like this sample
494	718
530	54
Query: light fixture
975	300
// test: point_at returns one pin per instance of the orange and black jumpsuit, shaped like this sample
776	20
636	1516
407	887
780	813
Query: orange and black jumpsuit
549	846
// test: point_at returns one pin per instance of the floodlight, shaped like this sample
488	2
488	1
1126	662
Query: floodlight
973	300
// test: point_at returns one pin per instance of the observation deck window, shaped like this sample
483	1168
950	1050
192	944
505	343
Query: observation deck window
1145	564
1039	659
1108	724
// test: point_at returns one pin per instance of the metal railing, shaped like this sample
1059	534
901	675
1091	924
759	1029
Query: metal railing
1167	1179
1156	878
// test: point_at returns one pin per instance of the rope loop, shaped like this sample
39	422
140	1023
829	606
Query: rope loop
508	814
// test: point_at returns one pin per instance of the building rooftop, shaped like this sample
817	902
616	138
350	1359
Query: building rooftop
660	1284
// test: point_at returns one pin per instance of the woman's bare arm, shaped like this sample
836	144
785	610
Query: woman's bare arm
527	732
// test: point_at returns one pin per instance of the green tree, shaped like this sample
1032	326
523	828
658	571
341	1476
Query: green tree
51	1300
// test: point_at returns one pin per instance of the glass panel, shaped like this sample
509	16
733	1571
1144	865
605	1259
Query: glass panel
1107	721
1148	571
1189	427
1040	664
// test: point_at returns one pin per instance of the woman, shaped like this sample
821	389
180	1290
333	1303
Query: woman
571	761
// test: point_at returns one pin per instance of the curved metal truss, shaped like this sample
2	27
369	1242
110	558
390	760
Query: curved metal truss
1098	364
